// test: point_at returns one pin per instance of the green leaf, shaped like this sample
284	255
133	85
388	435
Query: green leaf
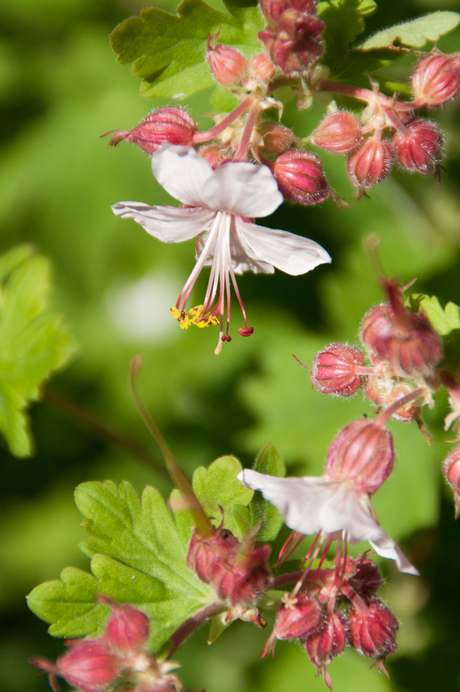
444	321
344	20
33	342
137	557
169	50
268	461
414	33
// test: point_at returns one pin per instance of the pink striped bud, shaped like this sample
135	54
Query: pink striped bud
262	67
339	133
301	178
420	148
170	124
334	370
228	65
436	79
127	629
370	163
362	454
296	618
451	472
90	666
327	643
276	138
373	629
205	553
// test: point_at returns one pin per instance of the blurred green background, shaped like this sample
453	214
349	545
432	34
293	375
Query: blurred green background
60	89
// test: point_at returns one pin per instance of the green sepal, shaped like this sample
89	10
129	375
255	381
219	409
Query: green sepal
268	461
415	33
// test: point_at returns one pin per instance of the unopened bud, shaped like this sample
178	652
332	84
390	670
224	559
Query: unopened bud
170	124
327	643
362	453
228	65
205	553
420	148
334	370
296	618
90	666
451	472
262	67
436	79
301	178
127	629
370	163
276	138
367	579
339	133
373	629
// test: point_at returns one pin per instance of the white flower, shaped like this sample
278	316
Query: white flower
314	504
219	204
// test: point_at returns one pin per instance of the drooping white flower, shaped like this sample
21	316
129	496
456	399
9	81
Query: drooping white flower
218	206
314	504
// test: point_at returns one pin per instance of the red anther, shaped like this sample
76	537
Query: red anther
226	337
362	454
228	65
451	472
276	138
262	67
420	148
373	629
436	79
300	177
296	618
170	124
327	643
370	163
339	133
246	331
334	370
127	629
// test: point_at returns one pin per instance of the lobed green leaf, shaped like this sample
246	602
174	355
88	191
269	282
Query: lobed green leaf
268	461
416	33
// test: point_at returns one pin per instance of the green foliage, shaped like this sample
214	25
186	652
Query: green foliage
268	461
416	33
344	20
137	557
444	320
33	342
169	50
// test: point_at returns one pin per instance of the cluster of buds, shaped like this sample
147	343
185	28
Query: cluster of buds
118	659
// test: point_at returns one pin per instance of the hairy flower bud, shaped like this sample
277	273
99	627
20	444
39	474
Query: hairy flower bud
339	133
262	67
296	618
436	79
327	643
373	629
420	148
127	628
170	124
367	579
334	370
370	163
451	472
301	178
90	666
228	65
276	138
362	454
206	553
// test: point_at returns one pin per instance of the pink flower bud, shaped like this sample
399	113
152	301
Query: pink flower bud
334	370
362	453
276	138
420	148
205	553
296	618
228	65
301	178
373	629
436	79
327	643
127	628
367	579
370	164
262	67
90	665
339	133
451	472
170	124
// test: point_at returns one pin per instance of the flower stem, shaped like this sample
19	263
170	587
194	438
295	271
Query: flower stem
192	623
200	137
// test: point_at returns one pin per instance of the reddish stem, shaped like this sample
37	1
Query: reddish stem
192	623
200	137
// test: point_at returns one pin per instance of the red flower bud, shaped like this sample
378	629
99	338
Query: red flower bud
451	472
420	148
334	370
370	164
339	133
436	79
373	629
228	65
366	579
90	665
262	67
363	453
276	138
300	177
327	643
127	628
296	618
205	553
170	124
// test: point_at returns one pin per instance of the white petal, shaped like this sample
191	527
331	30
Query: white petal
291	253
241	188
168	224
313	504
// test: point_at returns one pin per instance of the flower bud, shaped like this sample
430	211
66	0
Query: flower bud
436	79
363	453
327	643
276	138
334	370
301	178
90	666
451	472
420	148
170	124
373	629
296	618
127	629
339	133
205	553
370	164
367	579
262	67
228	65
